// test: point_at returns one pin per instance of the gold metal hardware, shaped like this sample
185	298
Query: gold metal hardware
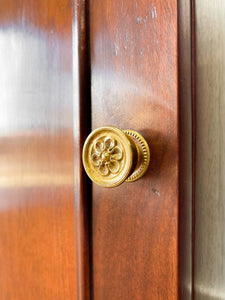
112	156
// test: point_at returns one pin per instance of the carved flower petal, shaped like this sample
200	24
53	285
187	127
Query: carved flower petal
99	147
103	169
117	153
114	166
109	143
96	159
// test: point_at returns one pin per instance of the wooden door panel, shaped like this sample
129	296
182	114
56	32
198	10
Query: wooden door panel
134	85
37	224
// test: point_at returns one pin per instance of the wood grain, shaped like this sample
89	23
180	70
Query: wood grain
134	85
37	212
210	158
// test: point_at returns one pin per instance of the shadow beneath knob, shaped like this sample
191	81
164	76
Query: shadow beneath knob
163	152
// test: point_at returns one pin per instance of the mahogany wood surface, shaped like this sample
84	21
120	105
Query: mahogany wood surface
82	124
46	206
134	84
37	219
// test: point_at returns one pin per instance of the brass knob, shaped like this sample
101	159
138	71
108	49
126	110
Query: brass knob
112	156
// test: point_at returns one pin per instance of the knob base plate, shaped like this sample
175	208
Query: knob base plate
143	155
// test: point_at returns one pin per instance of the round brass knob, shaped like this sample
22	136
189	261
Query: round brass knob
112	156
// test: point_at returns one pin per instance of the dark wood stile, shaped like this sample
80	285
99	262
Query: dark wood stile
185	149
82	119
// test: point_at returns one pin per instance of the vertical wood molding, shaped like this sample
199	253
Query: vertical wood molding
82	119
185	150
193	96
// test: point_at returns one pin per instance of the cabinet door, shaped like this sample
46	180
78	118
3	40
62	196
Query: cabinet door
37	211
134	85
66	68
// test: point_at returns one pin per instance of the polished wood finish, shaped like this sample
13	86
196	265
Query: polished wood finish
209	266
134	84
185	150
54	79
82	119
37	212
